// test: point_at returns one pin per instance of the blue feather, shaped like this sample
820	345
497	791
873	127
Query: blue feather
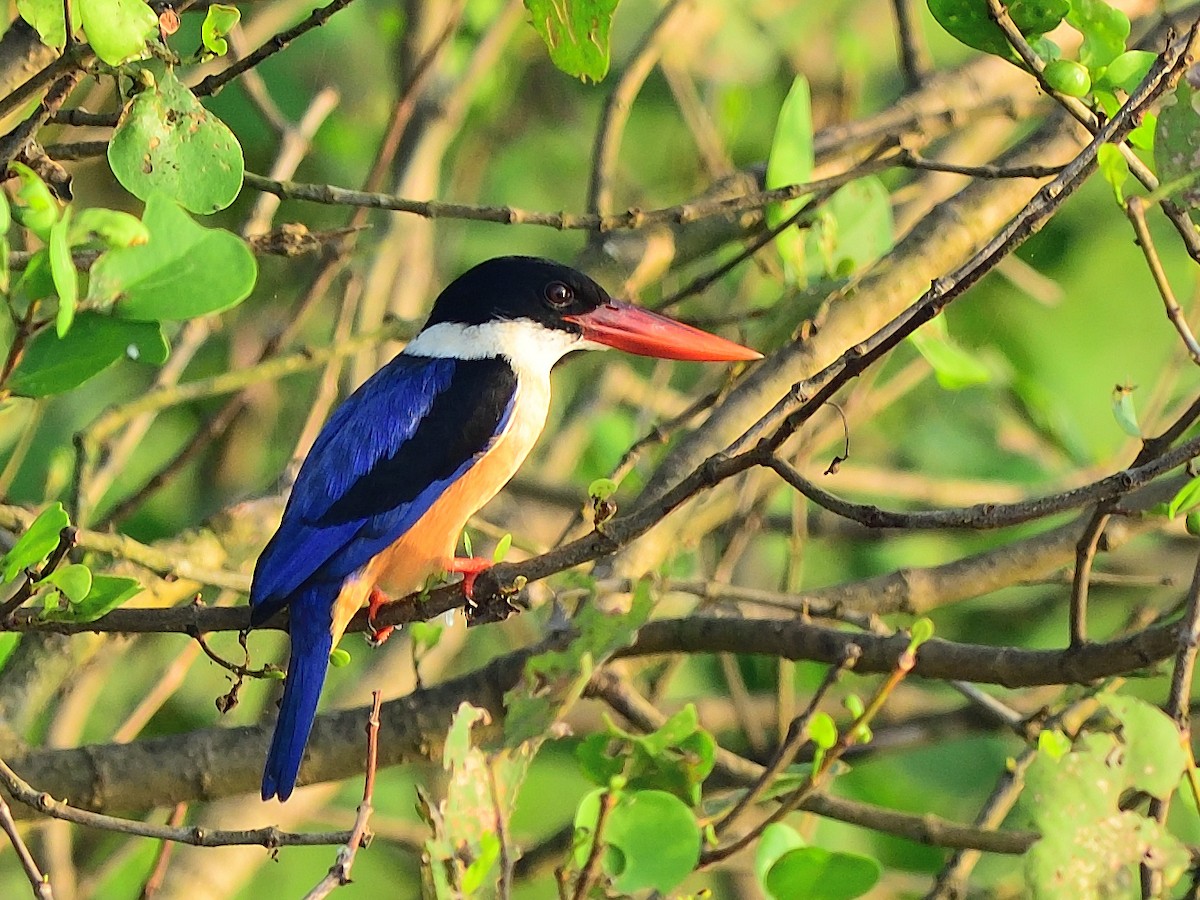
379	464
311	643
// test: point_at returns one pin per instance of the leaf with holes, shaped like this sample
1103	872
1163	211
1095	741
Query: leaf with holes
183	271
638	821
1177	146
576	34
166	141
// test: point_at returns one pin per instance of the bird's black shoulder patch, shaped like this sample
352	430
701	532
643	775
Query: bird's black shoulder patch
464	418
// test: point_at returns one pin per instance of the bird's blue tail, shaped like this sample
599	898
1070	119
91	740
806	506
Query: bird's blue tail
311	644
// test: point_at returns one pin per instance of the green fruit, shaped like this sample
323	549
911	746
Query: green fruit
1067	77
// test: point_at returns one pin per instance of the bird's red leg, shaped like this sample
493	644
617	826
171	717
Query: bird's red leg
374	603
470	566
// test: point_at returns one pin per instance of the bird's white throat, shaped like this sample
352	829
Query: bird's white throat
528	346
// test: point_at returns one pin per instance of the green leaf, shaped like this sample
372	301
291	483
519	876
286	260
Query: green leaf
1115	169
818	874
1053	743
107	593
425	635
74	581
1177	145
112	227
1154	755
1068	77
166	141
52	364
36	543
775	840
470	551
1091	846
1186	499
822	730
953	367
5	214
46	17
969	21
118	30
639	821
920	632
791	162
218	22
8	643
62	270
554	680
36	207
489	852
502	547
1104	31
1127	70
602	488
576	34
185	270
1124	411
339	658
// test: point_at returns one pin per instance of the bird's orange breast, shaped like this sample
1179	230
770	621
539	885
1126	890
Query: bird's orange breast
428	546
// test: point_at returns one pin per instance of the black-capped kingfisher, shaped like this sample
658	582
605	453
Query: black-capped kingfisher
409	457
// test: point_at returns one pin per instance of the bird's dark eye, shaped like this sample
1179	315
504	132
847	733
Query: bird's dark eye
558	294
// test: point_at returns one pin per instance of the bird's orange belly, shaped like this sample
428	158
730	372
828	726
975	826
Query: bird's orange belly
427	548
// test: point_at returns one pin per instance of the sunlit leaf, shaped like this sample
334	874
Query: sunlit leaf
638	821
219	20
1124	411
107	593
35	206
1127	70
1115	169
113	227
52	364
970	22
818	874
184	270
38	542
166	141
576	33
1104	29
118	30
1185	499
791	162
954	367
74	580
62	270
46	17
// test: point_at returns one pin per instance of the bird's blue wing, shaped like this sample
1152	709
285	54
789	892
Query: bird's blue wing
380	462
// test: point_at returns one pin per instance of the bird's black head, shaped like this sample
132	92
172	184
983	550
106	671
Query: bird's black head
531	309
518	287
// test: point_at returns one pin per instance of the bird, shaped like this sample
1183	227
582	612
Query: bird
380	500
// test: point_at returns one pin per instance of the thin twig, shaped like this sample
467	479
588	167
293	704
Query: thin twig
1135	208
591	869
270	837
617	106
319	16
360	836
158	874
915	60
1085	555
37	881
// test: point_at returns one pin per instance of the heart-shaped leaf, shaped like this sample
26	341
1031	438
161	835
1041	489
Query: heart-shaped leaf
166	141
183	271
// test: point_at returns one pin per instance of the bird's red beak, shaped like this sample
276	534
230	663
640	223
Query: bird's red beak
636	330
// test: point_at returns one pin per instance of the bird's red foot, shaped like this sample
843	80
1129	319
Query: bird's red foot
471	567
374	603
